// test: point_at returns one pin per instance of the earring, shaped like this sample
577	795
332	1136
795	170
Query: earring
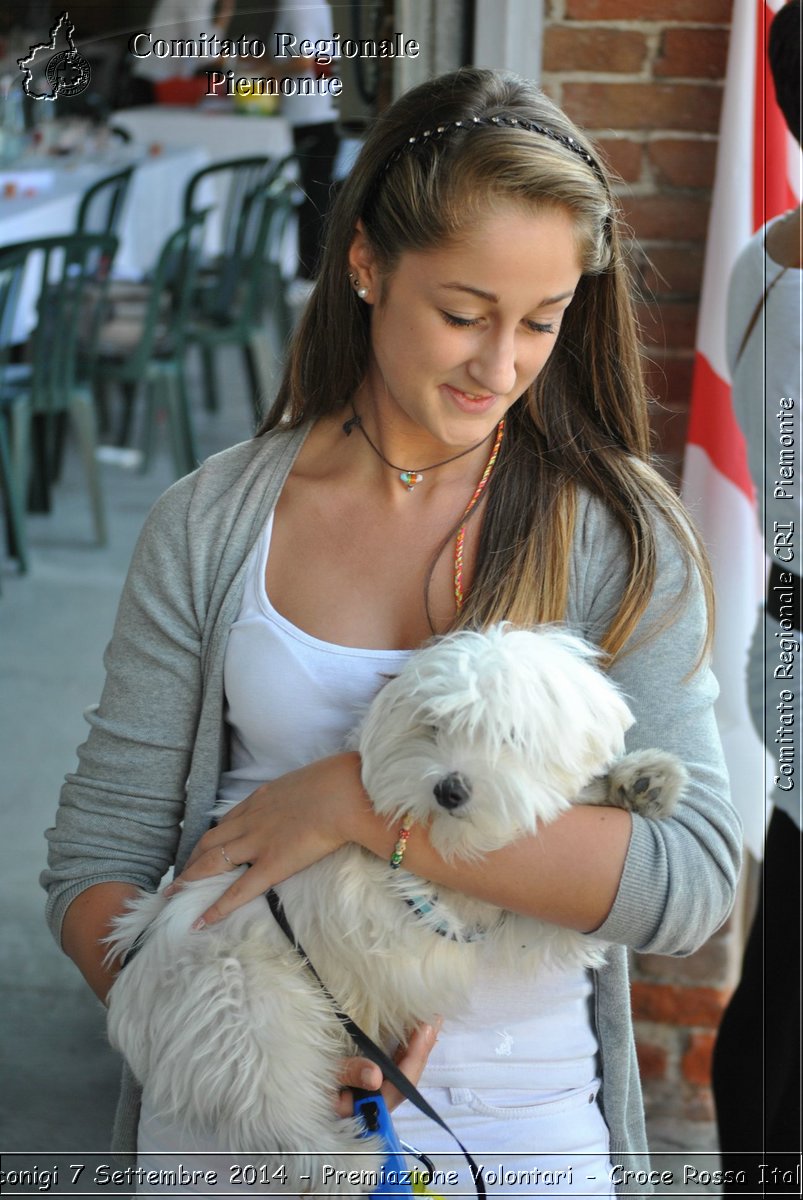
360	289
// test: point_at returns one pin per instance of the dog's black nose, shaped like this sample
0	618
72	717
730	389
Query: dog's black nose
452	791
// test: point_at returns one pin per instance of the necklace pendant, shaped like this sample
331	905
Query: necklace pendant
410	479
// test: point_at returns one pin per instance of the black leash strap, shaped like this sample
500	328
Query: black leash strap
369	1048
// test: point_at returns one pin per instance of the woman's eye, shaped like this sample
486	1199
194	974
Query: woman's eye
470	322
460	322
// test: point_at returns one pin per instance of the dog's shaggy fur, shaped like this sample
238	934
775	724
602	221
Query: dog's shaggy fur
482	737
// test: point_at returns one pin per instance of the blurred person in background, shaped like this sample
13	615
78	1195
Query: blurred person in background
182	19
313	122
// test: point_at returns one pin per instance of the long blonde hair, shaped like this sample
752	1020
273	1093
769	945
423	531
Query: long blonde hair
583	422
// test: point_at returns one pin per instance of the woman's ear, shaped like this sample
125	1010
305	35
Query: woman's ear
363	267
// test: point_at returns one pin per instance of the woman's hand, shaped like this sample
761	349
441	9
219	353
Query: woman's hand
362	1073
281	828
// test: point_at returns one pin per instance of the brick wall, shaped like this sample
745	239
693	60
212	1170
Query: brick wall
644	77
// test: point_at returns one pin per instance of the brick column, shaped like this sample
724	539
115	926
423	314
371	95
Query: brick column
645	77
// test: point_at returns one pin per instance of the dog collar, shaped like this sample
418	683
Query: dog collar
425	907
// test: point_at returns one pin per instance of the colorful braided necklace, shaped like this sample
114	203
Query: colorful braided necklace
461	533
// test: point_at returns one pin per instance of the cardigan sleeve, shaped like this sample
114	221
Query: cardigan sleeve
679	879
119	813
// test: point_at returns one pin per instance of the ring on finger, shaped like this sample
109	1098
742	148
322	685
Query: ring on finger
225	855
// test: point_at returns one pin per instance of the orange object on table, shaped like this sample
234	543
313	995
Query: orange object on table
179	90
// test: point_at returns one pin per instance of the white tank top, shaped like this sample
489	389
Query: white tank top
291	698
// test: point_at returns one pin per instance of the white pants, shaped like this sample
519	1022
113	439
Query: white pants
526	1145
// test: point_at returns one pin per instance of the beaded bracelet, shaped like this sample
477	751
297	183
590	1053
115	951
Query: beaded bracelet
401	845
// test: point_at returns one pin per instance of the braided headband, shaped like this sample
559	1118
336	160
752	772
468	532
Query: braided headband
511	122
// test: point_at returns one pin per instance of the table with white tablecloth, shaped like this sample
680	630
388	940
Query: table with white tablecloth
222	134
41	197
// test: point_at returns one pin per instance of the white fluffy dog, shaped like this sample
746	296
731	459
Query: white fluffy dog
481	738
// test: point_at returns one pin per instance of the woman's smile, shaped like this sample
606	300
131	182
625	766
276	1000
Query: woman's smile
470	402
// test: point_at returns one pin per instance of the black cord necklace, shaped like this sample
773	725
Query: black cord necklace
408	477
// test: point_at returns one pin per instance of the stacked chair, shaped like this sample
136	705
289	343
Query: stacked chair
69	274
13	406
102	204
244	282
89	335
142	346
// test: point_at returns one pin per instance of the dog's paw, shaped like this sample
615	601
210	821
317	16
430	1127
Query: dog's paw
649	782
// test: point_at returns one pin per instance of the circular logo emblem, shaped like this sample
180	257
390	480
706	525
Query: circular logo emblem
68	73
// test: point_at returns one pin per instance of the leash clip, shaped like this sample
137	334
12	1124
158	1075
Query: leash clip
394	1173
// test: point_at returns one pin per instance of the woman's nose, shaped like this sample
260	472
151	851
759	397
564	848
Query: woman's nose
494	367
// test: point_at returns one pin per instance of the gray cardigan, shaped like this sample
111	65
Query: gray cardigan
149	770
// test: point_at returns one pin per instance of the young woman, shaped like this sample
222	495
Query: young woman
461	436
